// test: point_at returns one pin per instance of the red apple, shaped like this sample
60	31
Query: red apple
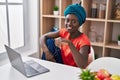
107	78
102	74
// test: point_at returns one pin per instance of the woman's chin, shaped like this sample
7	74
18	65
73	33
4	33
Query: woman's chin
69	30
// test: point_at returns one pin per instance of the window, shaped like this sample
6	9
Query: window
25	37
19	26
11	24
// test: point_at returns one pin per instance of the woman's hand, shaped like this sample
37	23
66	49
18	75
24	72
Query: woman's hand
62	41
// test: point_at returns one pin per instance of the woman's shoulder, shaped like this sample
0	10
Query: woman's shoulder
63	32
83	38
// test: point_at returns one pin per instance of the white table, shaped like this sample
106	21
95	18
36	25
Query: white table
57	72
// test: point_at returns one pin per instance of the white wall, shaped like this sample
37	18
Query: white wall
33	23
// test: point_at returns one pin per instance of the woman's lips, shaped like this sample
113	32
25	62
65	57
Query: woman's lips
69	27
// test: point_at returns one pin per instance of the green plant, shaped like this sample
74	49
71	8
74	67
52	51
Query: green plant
86	75
56	8
119	37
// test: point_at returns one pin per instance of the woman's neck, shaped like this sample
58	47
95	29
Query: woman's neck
75	34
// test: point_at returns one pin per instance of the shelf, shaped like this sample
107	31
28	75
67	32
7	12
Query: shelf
112	45
63	17
95	19
116	21
51	16
100	44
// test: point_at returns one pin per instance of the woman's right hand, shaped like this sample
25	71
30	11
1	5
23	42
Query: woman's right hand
50	57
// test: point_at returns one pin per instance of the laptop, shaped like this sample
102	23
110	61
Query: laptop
29	68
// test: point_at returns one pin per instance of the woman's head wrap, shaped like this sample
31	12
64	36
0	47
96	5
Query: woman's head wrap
77	10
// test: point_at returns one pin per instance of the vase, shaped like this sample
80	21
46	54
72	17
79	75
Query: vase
55	13
119	43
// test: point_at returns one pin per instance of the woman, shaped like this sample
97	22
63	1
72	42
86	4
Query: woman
75	46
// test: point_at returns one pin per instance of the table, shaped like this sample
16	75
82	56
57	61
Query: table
57	72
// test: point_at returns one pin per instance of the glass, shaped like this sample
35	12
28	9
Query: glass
3	28
99	38
94	10
16	25
92	35
102	11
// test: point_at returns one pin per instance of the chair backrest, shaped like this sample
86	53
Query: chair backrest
109	63
91	55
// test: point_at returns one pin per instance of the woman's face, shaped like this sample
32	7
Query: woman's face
71	23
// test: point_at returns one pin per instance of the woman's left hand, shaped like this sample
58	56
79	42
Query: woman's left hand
64	41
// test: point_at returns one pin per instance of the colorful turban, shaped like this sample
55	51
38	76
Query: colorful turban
77	10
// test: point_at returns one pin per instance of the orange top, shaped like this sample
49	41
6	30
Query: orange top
78	42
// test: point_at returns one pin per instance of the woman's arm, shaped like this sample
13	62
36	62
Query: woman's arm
44	46
81	56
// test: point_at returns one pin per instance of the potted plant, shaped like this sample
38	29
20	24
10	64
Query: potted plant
56	10
119	39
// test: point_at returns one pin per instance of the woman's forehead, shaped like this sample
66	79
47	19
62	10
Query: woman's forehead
71	16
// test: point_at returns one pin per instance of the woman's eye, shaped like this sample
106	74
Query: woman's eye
73	21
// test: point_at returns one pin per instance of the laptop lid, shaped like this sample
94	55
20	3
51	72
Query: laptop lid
15	60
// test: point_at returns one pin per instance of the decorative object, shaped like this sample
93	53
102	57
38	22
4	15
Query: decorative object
55	28
56	10
92	34
99	38
117	11
94	10
119	39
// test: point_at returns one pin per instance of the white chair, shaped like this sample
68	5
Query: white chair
109	63
91	55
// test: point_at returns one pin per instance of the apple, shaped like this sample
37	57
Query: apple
102	74
107	78
96	78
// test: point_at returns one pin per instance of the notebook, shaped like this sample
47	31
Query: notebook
29	68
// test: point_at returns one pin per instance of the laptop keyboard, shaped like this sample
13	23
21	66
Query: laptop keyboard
29	70
36	66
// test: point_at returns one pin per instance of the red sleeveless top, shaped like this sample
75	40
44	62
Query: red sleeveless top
78	42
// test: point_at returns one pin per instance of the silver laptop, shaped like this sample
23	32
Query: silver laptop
29	68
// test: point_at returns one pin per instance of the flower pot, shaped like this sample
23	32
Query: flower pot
118	42
55	13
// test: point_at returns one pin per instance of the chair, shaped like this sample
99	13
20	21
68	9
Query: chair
109	63
91	55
